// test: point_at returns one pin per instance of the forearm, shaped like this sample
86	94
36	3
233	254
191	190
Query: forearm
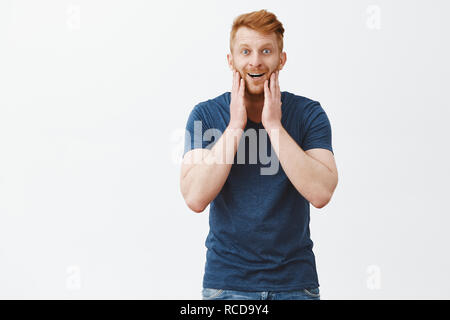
314	181
209	170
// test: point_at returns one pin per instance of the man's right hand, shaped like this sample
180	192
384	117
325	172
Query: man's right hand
238	112
201	181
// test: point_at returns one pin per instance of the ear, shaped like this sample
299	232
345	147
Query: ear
230	61
283	59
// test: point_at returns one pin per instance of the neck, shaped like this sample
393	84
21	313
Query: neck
254	104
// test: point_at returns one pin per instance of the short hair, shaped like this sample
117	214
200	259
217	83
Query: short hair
262	21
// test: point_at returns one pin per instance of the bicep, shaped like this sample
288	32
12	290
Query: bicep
325	157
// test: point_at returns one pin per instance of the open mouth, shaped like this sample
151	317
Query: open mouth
256	75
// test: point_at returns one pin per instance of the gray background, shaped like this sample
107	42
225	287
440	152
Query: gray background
94	98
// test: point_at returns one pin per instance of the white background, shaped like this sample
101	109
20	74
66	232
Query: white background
94	95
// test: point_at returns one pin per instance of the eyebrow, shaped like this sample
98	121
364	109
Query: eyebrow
267	44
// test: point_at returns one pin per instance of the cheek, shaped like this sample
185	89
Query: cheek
242	72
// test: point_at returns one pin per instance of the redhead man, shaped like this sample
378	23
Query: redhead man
259	244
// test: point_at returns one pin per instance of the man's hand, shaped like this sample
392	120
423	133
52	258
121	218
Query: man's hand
238	112
201	181
271	113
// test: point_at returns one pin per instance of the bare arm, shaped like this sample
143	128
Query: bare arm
313	173
203	171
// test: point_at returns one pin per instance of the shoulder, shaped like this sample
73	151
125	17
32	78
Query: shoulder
214	105
299	102
300	107
211	111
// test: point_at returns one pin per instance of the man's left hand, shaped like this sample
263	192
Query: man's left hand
271	113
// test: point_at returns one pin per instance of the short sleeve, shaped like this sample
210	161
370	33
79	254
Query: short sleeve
316	128
195	128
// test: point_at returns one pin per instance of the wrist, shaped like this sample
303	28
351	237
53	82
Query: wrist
276	125
237	125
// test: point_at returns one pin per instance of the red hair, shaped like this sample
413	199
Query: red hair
262	21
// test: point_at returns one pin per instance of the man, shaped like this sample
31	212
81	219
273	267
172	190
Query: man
259	244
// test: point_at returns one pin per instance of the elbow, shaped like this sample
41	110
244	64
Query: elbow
192	199
319	205
195	206
193	203
321	200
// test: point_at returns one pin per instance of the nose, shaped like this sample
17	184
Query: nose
255	60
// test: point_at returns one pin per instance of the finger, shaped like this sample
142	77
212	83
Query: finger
266	89
232	82
272	82
278	83
238	82
242	88
235	85
277	86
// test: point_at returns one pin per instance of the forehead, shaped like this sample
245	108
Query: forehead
253	37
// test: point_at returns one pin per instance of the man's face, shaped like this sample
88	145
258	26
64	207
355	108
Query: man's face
255	53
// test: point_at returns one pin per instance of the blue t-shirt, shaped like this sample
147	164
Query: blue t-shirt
259	238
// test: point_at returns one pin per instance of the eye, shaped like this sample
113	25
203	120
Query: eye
244	50
267	50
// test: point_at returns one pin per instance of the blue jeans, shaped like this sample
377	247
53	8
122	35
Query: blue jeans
221	294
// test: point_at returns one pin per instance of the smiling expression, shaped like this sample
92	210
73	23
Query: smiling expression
255	53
